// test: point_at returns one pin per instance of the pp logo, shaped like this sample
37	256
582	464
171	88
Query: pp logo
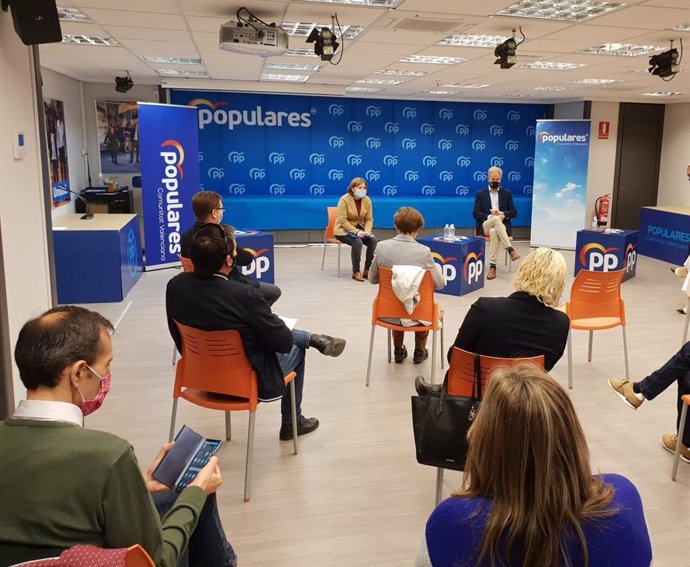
449	271
530	130
336	141
373	143
446	176
298	174
373	111
462	129
372	175
462	190
411	175
513	116
216	173
256	173
479	115
479	176
427	129
390	190
496	130
236	157
478	145
630	257
429	161
445	114
390	160
317	190
529	161
237	189
463	161
496	161
317	159
409	144
444	144
336	110
514	176
259	266
594	256
132	253
276	189
276	158
527	190
429	190
391	128
354	126
409	113
336	175
354	159
473	268
512	145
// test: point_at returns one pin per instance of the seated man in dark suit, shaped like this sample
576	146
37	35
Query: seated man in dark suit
210	300
524	324
493	209
208	207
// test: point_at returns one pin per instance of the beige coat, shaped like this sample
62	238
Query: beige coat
349	221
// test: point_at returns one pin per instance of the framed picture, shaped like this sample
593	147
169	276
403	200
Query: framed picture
54	111
117	124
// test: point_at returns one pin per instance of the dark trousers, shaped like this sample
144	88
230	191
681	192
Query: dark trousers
677	369
356	244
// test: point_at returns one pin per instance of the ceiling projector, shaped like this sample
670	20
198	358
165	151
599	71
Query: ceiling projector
255	38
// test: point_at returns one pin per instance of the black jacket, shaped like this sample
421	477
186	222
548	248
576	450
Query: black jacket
482	207
514	327
218	303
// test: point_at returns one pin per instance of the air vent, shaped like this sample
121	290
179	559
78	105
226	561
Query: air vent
430	26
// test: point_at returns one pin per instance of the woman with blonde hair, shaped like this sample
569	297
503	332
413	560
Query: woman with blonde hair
528	497
526	323
354	225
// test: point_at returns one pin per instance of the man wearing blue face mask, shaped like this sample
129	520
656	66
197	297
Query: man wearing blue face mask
354	225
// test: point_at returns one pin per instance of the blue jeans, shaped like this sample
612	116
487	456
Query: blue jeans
208	546
293	361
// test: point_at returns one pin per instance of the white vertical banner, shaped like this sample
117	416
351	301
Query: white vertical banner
560	182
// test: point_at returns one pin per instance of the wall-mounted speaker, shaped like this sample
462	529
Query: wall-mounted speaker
36	21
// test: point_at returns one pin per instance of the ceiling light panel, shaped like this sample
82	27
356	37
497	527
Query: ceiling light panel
282	77
373	3
399	73
432	59
560	10
379	81
301	53
170	60
552	89
596	81
625	49
436	92
301	29
549	66
66	14
663	93
292	67
363	89
473	40
88	40
195	73
468	86
682	27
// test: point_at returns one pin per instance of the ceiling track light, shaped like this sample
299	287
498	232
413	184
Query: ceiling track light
324	40
124	84
666	64
506	52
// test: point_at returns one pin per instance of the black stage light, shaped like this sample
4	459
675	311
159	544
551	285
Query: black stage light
505	53
124	84
664	64
325	44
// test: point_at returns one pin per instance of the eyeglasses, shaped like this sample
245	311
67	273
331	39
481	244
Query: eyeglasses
219	209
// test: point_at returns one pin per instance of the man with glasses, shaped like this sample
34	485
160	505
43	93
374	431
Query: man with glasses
208	208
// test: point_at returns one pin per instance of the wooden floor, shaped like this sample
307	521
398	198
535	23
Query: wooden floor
355	495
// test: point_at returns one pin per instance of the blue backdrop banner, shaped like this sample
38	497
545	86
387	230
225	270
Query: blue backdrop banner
560	182
169	178
285	146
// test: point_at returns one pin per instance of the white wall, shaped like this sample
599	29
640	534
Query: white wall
602	156
22	214
674	188
66	89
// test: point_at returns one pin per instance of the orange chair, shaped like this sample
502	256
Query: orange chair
387	305
137	557
461	379
681	429
328	237
214	372
134	556
595	304
187	266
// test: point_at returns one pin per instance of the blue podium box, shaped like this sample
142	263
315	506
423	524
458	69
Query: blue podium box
665	233
96	260
260	245
462	262
607	251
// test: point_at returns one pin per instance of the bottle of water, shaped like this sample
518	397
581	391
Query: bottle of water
446	232
595	225
451	232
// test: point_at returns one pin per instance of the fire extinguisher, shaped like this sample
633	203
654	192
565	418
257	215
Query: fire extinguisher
601	209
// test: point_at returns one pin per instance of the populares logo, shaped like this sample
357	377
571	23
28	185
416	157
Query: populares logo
238	157
463	161
216	173
390	190
169	193
473	267
317	159
630	257
449	271
317	190
259	266
594	256
218	113
277	189
546	137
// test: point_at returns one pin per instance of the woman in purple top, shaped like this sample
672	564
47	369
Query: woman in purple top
528	496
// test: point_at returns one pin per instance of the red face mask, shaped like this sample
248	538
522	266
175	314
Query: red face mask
90	406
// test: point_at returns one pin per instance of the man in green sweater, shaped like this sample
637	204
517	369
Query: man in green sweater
62	485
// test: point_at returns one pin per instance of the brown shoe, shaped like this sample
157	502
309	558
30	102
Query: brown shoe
365	274
357	276
492	274
514	256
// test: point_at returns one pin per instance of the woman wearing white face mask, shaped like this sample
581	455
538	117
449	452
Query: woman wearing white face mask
354	225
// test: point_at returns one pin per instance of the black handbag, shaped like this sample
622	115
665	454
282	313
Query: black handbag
441	423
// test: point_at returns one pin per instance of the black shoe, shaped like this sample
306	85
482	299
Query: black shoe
681	310
420	355
304	425
425	389
330	346
400	354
